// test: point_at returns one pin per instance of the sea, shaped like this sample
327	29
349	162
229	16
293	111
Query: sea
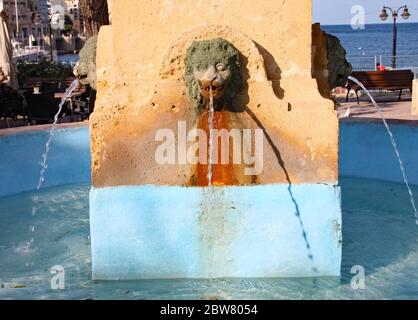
363	46
69	58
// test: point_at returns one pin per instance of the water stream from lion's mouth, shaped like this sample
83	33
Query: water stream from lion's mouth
210	124
394	144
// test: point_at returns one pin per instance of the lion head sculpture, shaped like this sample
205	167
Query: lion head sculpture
213	63
338	66
85	69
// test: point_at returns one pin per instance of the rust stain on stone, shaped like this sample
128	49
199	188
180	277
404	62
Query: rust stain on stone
222	174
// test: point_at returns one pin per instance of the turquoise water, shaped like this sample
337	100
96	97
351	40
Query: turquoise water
69	58
378	229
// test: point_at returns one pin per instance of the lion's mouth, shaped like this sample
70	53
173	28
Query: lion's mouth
82	76
215	88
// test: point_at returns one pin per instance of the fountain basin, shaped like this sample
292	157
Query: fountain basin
22	150
379	234
365	152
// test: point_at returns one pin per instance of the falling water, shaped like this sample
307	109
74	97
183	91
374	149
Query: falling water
210	124
44	164
395	146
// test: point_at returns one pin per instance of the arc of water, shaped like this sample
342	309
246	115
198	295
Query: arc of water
395	146
68	92
44	163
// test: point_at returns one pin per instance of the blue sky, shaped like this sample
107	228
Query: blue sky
339	11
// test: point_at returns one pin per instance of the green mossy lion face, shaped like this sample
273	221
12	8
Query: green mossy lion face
85	70
213	63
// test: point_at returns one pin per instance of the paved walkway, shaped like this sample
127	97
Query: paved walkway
393	110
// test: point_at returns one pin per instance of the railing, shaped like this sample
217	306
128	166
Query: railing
26	50
368	63
28	54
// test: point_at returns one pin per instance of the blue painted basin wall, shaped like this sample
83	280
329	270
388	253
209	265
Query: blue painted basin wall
21	155
365	152
154	232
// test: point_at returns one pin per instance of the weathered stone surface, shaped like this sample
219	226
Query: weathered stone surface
222	231
330	66
141	91
285	42
95	14
338	66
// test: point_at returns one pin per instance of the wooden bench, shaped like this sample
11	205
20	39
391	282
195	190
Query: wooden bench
384	80
43	106
61	85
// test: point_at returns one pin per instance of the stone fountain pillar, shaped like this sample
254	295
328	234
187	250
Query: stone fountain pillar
154	220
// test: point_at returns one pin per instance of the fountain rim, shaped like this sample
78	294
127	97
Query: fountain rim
23	136
44	128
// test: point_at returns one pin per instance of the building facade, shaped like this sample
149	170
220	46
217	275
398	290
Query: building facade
21	19
31	19
73	12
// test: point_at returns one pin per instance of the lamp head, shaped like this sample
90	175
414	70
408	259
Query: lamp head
405	14
384	14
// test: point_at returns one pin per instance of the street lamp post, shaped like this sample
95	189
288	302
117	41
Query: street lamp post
51	49
17	23
395	13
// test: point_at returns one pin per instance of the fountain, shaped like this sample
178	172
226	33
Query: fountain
213	152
